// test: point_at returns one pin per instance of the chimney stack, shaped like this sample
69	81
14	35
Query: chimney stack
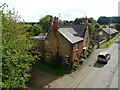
86	21
51	22
56	24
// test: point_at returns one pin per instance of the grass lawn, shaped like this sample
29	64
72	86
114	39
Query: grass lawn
50	69
95	46
108	43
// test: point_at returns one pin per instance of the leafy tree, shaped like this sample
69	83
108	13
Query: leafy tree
78	20
45	22
91	20
103	20
97	26
35	30
70	22
16	60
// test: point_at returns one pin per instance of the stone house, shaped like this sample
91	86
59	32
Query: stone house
68	42
105	34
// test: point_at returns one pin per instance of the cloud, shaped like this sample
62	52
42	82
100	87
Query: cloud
33	10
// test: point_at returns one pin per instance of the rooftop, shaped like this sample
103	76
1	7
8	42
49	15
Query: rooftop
70	34
110	30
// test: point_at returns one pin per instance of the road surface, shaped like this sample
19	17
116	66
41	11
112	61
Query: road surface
103	75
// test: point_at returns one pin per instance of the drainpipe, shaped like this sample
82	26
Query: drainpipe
43	47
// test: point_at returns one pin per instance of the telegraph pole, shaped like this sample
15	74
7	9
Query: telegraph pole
109	29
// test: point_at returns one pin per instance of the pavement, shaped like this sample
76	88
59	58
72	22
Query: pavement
74	79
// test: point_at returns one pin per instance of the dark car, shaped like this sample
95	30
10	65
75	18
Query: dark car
103	57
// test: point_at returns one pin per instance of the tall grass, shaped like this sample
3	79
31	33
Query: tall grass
108	43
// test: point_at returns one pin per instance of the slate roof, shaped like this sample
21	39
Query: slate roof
110	31
41	36
80	29
70	34
73	33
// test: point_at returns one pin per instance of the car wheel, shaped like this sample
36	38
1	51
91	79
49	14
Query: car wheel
106	62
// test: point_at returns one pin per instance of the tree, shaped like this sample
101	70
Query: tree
91	20
97	26
16	58
45	22
103	20
35	30
78	20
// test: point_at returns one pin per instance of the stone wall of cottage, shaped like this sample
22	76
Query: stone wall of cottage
65	47
50	47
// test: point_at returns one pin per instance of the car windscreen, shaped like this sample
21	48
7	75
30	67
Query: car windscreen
102	56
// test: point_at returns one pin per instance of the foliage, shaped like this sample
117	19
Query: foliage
35	30
91	20
97	26
16	60
103	20
78	21
45	22
106	20
66	22
108	43
51	69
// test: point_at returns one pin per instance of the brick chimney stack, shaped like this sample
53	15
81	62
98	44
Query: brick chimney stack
86	21
51	22
56	24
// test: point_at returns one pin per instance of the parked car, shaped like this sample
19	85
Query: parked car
103	57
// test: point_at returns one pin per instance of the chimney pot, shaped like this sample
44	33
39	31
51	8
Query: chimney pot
56	24
51	22
86	21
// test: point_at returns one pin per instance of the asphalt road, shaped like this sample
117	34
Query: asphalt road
103	75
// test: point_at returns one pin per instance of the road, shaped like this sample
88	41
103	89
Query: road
103	75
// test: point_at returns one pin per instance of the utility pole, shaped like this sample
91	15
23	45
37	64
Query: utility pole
109	28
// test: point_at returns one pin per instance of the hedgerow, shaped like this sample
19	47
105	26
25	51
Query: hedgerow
16	60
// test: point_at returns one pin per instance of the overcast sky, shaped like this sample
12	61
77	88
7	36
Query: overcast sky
33	10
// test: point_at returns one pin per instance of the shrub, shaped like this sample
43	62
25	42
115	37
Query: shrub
16	60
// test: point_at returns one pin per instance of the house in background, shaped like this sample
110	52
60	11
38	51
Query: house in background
104	34
66	42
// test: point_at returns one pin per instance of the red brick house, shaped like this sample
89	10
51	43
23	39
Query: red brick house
68	42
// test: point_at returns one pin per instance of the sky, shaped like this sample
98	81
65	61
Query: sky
33	10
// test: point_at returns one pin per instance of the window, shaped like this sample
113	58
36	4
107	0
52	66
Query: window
102	56
67	59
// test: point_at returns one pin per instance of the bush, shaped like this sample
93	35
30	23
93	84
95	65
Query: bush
81	61
16	60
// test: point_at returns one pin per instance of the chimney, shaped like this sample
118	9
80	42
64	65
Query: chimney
51	22
56	24
86	21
